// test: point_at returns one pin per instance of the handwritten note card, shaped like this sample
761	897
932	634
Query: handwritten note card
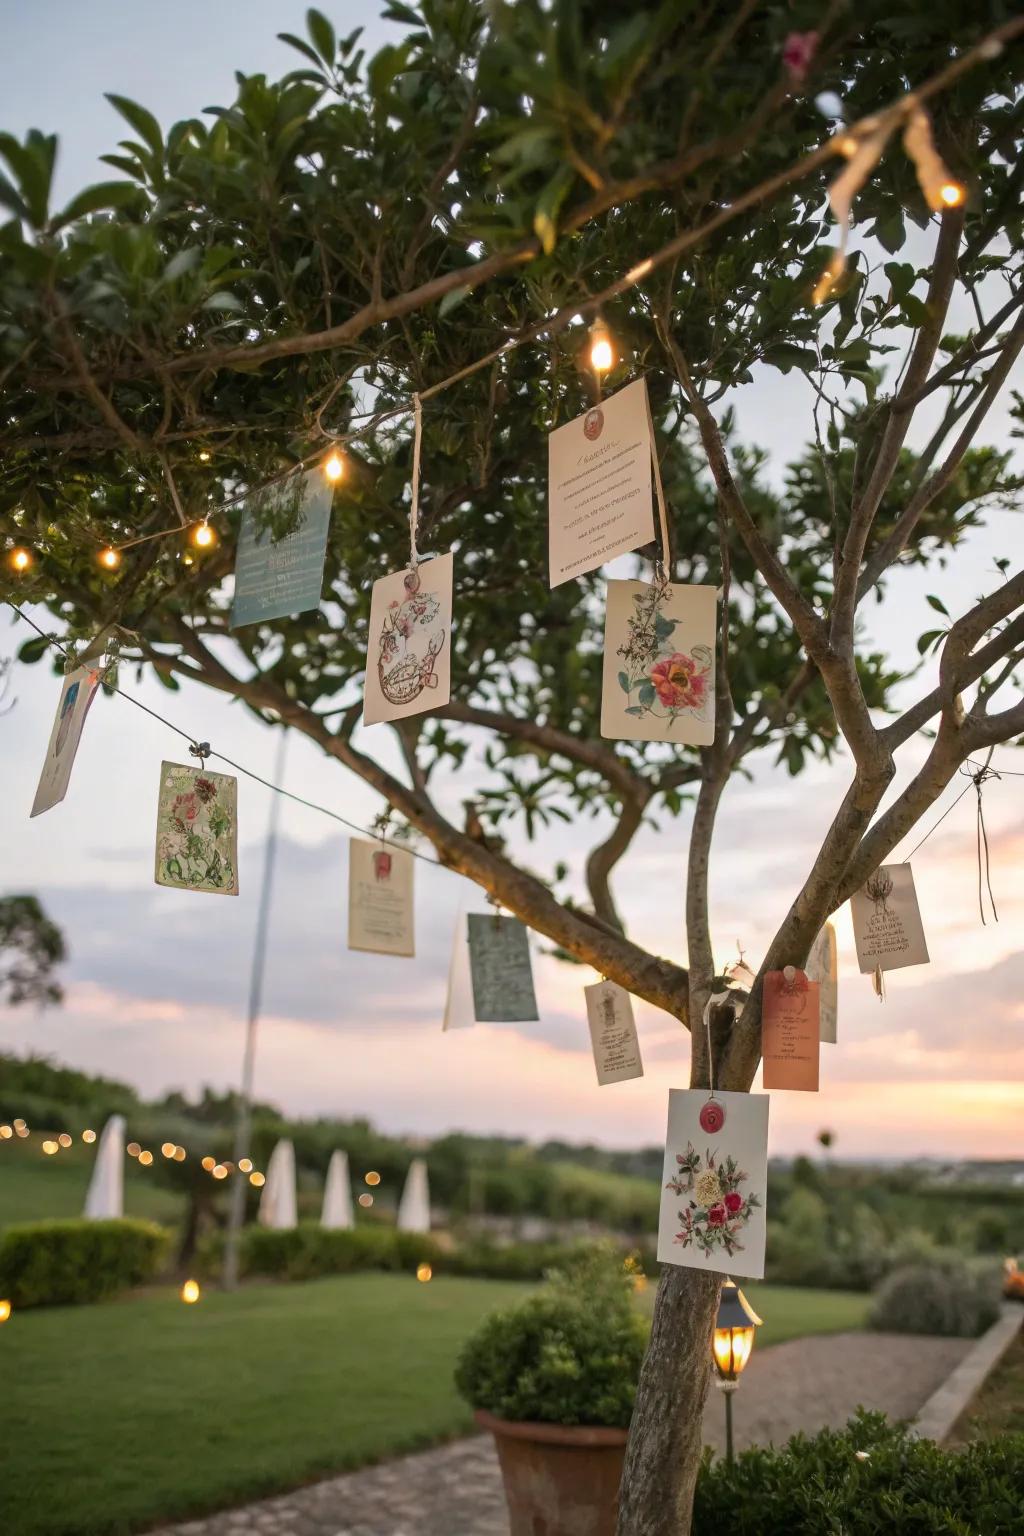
887	925
380	898
823	967
279	576
613	1033
76	695
789	1031
599	484
499	963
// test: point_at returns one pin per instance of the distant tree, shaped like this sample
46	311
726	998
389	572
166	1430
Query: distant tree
31	947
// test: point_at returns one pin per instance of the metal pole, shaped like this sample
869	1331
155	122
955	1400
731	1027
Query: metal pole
728	1423
243	1121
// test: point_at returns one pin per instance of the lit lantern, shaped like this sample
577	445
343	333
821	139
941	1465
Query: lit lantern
203	536
190	1292
731	1344
109	558
334	466
602	352
5	1311
424	1273
20	559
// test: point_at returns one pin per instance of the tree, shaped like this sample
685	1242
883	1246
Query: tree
31	946
457	205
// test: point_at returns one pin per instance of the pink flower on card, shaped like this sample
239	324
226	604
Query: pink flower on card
716	1216
733	1202
678	682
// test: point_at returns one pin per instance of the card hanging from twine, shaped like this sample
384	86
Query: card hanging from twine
712	1115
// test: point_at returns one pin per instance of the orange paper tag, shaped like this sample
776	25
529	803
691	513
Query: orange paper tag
790	1026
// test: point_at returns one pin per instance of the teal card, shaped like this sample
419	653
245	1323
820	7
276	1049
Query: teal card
279	567
499	964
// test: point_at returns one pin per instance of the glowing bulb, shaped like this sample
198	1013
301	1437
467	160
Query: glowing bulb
334	467
220	1172
204	456
602	353
168	1149
245	1164
19	559
257	1180
89	1137
178	1154
373	1178
190	1291
133	1149
366	1201
49	1147
209	1163
203	536
424	1273
64	1139
6	1132
109	558
145	1158
5	1311
21	1130
952	193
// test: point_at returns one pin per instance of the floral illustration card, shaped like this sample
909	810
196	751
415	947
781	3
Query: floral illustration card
197	830
76	695
887	925
599	484
380	898
715	1186
281	573
408	659
823	967
659	663
790	1030
613	1035
500	969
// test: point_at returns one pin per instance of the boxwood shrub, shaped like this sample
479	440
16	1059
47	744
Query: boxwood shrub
55	1263
948	1299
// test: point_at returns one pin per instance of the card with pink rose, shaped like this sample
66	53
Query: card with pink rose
715	1186
659	663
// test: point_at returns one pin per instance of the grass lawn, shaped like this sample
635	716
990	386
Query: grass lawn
120	1416
998	1408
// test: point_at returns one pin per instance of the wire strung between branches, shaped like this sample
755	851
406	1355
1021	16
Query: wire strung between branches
202	750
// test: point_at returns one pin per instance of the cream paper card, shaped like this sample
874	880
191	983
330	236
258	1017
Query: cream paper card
197	830
458	1004
408	658
613	1035
823	967
887	925
76	695
659	663
380	898
715	1186
500	970
599	484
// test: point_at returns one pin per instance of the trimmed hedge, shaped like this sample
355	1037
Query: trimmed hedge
61	1263
946	1299
870	1479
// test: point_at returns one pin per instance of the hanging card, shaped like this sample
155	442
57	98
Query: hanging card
887	925
715	1187
458	1004
276	577
499	965
659	663
408	659
380	898
76	695
197	830
823	967
599	484
613	1033
790	1039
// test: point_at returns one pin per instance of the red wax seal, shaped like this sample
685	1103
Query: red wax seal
712	1117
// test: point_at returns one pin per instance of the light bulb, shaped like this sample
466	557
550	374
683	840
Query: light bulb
602	353
209	1163
109	558
334	466
179	1154
89	1137
5	1311
133	1149
245	1165
64	1139
190	1292
203	536
168	1149
220	1172
257	1180
952	193
145	1158
366	1201
49	1147
373	1178
6	1132
424	1273
20	559
204	456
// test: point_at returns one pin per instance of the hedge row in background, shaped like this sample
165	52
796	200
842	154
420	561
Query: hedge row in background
947	1299
57	1263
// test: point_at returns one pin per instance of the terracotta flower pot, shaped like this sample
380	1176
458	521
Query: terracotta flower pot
560	1480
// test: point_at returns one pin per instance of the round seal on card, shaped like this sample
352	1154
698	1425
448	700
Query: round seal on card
593	424
712	1117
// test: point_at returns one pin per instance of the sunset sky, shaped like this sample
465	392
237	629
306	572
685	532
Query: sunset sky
157	982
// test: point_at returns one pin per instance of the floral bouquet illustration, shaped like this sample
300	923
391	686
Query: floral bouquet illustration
409	644
663	680
196	831
718	1210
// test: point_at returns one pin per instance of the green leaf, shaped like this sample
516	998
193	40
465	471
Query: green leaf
223	301
322	33
646	694
104	194
303	48
34	649
937	604
167	678
624	682
144	123
927	640
452	299
396	12
890	232
786	356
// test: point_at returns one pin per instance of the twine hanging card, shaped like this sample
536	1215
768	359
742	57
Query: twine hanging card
715	1186
499	964
197	830
658	680
380	898
277	577
790	1040
887	925
76	696
613	1036
823	967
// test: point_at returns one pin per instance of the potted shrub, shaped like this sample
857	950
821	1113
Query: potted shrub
554	1380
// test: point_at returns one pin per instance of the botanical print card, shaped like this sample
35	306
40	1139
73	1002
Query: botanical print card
823	967
500	969
380	898
281	573
599	484
790	1038
659	663
887	925
613	1035
715	1187
408	659
76	695
197	830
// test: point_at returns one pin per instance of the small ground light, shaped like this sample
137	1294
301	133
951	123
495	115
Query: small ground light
5	1311
334	467
190	1291
203	536
373	1178
424	1273
20	559
89	1137
109	558
365	1201
133	1149
6	1132
257	1180
64	1139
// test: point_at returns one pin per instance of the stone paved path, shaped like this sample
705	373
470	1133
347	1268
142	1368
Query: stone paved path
455	1490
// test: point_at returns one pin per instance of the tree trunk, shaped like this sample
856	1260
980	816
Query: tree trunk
665	1439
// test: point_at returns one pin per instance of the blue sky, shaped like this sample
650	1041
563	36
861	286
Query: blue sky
158	979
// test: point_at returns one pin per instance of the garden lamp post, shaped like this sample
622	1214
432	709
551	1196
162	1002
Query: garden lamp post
731	1343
